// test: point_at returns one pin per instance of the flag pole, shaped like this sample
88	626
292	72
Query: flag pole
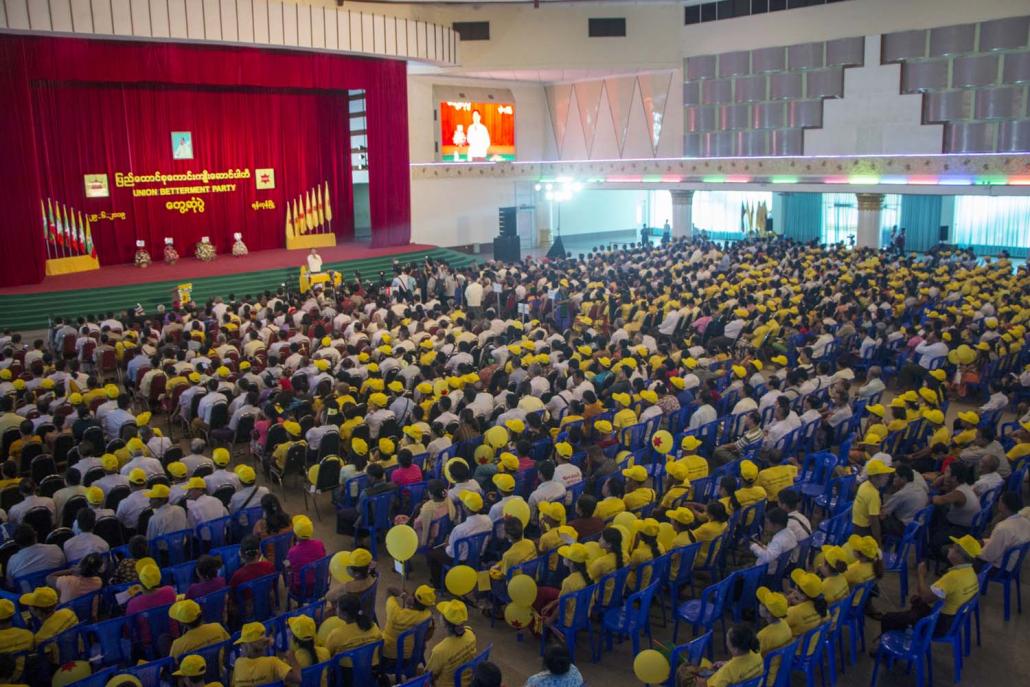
46	236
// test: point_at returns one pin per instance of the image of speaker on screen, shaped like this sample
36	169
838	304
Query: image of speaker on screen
477	132
478	138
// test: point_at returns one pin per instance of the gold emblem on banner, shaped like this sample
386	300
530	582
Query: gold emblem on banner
264	179
96	185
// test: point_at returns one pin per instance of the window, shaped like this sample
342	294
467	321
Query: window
611	27
995	223
712	10
724	213
840	217
472	30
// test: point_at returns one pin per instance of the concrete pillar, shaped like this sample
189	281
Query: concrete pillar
682	214
869	206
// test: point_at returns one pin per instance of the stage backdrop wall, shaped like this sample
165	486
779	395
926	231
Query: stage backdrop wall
77	107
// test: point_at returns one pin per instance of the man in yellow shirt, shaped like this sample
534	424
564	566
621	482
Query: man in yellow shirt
197	634
638	494
458	647
13	639
191	672
42	604
776	633
776	478
404	612
254	668
865	511
520	551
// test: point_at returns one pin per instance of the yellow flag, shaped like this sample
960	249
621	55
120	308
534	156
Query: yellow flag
298	221
90	247
289	221
307	211
328	205
318	205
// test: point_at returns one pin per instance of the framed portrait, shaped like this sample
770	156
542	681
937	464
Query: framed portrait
182	145
96	185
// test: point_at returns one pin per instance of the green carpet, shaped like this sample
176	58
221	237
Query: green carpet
32	311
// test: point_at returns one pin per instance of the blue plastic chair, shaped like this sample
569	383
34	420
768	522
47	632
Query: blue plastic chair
276	547
631	619
28	583
278	627
896	561
468	551
243	521
318	674
810	655
912	647
580	621
418	681
214	533
85	606
212	605
98	679
749	580
753	682
360	668
230	556
853	619
710	563
672	586
156	634
706	611
260	596
151	673
407	662
351	490
376	517
172	548
958	635
691	653
113	639
470	666
215	656
783	660
179	576
310	583
1009	574
69	644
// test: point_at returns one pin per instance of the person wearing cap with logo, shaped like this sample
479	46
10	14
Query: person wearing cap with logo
458	645
953	589
200	506
647	549
475	523
249	494
42	605
95	500
254	668
132	506
221	476
808	607
13	639
166	518
403	612
192	672
195	633
776	633
152	467
305	550
833	569
306	652
112	476
866	509
637	495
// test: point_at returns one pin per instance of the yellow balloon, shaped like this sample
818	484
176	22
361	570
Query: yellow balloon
461	580
338	566
519	617
516	507
627	520
401	542
661	441
522	590
496	436
651	667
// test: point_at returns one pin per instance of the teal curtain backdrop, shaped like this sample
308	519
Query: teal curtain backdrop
803	216
921	219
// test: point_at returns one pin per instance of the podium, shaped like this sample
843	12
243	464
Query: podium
309	280
309	241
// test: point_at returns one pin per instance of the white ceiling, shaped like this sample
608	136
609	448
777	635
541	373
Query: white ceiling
548	75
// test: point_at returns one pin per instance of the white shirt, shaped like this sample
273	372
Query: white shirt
204	508
783	541
82	544
219	478
207	403
1012	531
986	482
130	508
474	524
151	466
243	494
19	509
474	294
551	490
702	416
166	519
314	263
800	525
194	461
568	473
929	352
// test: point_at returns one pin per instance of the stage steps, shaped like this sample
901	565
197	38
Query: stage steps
30	312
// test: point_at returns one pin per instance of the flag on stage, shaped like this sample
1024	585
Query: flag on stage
52	224
90	248
309	215
298	221
289	221
318	207
69	232
46	235
80	233
60	227
328	205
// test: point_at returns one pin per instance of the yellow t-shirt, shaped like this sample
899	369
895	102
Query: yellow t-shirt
449	654
398	620
641	554
859	572
835	588
707	532
572	583
197	638
326	628
14	640
598	568
956	587
251	672
671	496
697	466
738	669
350	636
777	478
770	638
609	507
942	435
803	617
61	620
519	552
303	658
638	498
746	496
866	505
624	418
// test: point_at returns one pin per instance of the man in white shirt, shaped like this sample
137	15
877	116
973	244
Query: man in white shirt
565	471
475	523
1013	529
932	348
200	507
783	539
989	478
166	518
151	467
196	459
130	508
85	542
314	261
30	499
116	418
112	478
550	488
474	297
873	384
249	494
221	476
703	415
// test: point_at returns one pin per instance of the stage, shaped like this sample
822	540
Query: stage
118	287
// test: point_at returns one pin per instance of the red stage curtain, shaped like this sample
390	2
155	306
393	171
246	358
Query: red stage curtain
90	128
152	87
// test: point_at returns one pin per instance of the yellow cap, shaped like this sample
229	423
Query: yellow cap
622	399
41	597
425	594
928	395
194	377
472	500
939	375
386	446
192	665
554	511
95	496
872	439
515	425
690	443
149	576
577	553
143	419
876	409
866	545
177	469
775	602
110	462
455	612
6	609
649	396
739	371
137	476
748	471
292	428
111	390
877	467
303	528
966	542
413	431
934	416
808	583
360	558
379	399
302	626
220	457
251	632
124	680
74	398
969	416
603	426
637	473
834	555
246	474
648	527
185	611
682	515
159	491
321	364
780	360
359	446
196	483
563	449
504	482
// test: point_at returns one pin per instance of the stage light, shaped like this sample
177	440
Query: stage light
537	187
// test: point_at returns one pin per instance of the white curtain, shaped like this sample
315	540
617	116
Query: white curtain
996	222
719	211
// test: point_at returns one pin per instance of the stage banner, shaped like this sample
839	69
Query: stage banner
147	162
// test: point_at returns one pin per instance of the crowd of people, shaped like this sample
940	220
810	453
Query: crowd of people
675	412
